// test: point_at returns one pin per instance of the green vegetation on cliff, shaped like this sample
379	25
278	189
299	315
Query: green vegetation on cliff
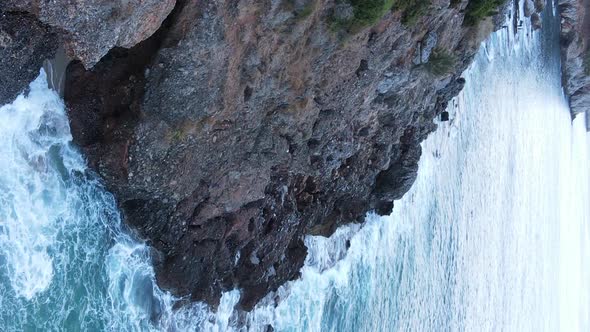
369	12
366	13
441	62
412	9
477	10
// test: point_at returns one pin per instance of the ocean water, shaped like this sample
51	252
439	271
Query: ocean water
494	234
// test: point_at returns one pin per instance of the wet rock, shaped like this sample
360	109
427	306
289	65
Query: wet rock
382	208
401	174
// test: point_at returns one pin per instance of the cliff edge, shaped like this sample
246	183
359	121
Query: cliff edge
228	130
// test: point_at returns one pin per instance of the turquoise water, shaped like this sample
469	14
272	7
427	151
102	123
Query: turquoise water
66	263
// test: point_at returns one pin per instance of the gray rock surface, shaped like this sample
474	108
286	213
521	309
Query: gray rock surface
575	55
90	28
430	42
424	48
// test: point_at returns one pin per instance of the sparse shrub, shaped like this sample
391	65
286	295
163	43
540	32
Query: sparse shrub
441	62
366	13
412	10
369	12
477	10
177	135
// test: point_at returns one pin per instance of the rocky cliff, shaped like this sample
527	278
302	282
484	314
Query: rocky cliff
24	43
575	53
240	126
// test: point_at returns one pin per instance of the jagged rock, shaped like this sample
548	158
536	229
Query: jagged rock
24	44
425	48
89	29
575	35
252	130
428	45
385	86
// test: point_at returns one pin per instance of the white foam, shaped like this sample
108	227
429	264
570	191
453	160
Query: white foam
66	260
30	197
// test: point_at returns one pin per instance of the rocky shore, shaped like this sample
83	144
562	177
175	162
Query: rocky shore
229	130
575	55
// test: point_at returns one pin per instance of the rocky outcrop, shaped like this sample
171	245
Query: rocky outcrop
241	126
575	53
253	123
31	31
89	29
24	44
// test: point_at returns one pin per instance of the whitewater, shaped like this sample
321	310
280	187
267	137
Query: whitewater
493	236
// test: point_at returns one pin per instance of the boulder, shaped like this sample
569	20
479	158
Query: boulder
89	29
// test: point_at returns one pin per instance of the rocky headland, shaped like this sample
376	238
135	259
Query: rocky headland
228	130
575	55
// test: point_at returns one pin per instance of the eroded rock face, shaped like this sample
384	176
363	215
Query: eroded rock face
90	28
575	53
254	124
243	125
24	44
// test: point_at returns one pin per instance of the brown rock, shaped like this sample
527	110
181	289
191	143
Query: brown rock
256	125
